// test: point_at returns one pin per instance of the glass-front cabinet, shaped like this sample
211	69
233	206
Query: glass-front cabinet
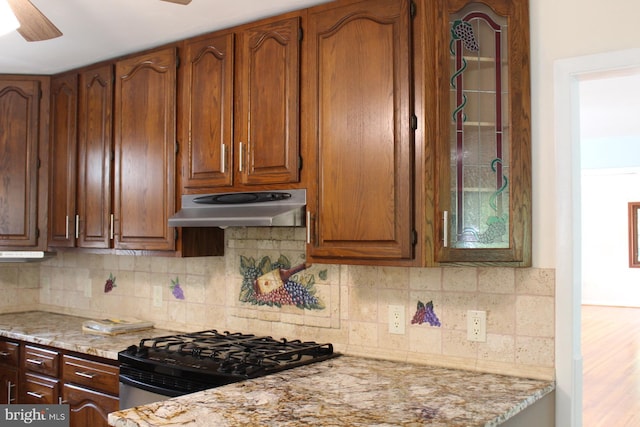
483	204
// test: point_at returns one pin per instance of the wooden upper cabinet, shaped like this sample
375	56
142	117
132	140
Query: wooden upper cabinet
205	123
95	147
483	132
267	133
358	110
62	169
145	146
21	129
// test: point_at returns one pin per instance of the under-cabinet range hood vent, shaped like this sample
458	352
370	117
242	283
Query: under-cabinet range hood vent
24	256
281	208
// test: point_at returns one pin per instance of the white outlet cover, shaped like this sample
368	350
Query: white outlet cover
396	319
477	326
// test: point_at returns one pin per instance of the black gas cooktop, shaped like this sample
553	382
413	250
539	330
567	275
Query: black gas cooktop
200	360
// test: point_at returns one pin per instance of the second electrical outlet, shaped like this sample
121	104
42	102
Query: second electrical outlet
396	319
477	325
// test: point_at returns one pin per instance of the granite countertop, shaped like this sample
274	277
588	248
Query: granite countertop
65	332
348	391
344	391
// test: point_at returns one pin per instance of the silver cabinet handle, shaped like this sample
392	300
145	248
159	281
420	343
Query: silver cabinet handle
66	227
445	234
223	157
4	353
77	225
36	395
308	227
111	227
36	362
240	157
9	387
85	375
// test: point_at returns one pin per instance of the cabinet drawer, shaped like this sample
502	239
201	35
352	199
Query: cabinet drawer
40	360
9	353
95	375
39	390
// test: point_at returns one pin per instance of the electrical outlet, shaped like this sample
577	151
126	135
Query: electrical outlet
157	296
477	326
87	289
396	319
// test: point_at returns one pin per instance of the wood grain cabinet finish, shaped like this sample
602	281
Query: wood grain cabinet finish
95	149
358	110
90	389
22	207
145	147
482	135
62	169
9	363
267	114
205	124
88	407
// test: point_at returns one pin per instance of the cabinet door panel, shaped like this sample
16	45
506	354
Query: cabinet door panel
8	386
145	139
267	114
94	157
483	130
19	121
62	169
358	78
88	407
206	121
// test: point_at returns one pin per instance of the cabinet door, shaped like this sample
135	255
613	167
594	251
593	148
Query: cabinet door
145	146
8	385
206	119
267	105
88	407
358	80
484	146
62	169
19	121
95	147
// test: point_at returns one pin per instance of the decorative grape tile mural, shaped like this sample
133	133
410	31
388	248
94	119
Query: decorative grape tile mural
110	283
176	290
425	314
277	284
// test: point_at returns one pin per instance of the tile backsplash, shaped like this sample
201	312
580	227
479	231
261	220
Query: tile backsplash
354	301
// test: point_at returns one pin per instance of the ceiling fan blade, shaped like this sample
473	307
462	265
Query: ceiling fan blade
185	2
34	26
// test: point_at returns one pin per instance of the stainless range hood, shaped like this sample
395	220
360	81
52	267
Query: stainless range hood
24	256
282	208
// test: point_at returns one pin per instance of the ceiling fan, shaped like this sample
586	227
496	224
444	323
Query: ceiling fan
34	26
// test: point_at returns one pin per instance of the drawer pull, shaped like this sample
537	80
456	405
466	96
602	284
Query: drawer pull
4	353
85	375
36	395
36	362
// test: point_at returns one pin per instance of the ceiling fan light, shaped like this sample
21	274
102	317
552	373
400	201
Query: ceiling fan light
8	21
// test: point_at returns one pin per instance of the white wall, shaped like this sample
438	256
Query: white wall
606	276
559	30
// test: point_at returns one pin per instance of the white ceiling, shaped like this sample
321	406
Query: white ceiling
94	30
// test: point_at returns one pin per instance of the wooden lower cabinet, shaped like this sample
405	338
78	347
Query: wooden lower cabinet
88	407
31	374
8	385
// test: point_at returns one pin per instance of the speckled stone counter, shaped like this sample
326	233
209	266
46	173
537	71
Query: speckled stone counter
65	332
348	391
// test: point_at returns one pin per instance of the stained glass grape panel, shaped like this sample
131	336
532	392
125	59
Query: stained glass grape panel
479	134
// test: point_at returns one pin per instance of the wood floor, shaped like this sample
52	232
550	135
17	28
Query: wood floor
611	363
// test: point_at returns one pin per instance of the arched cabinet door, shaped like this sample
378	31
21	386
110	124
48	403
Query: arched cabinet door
358	111
145	147
483	131
21	162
